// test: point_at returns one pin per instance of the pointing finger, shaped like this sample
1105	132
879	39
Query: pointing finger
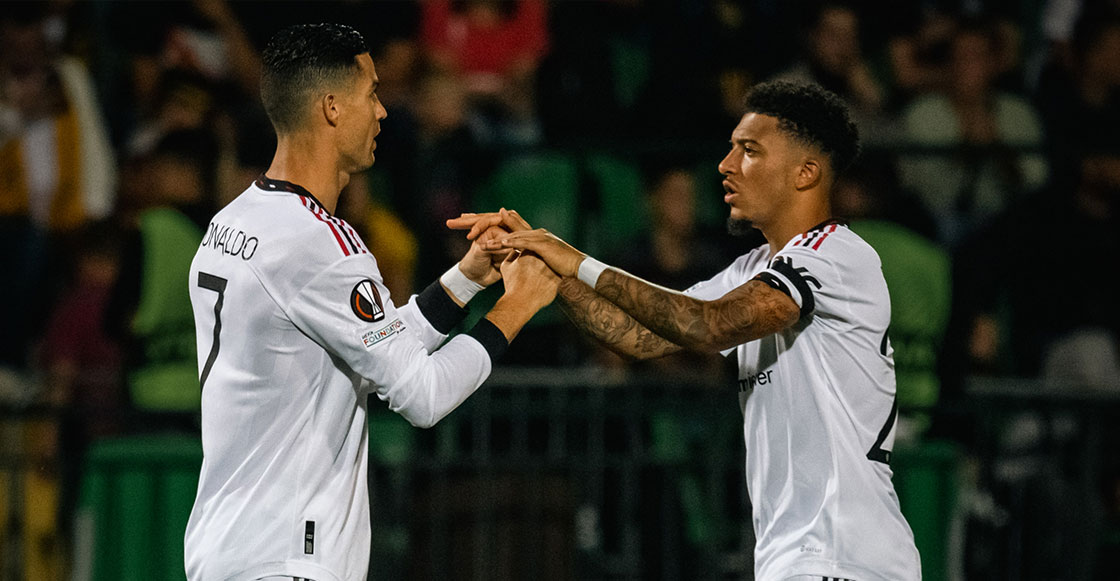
483	224
463	221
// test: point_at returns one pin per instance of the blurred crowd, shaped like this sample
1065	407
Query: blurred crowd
989	181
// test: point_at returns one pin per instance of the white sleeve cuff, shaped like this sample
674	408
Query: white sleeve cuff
459	285
590	269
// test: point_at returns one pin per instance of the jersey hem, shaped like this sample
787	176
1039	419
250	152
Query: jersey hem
826	568
287	569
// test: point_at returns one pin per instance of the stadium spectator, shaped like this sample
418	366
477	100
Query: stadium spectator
82	365
56	169
833	58
674	252
437	163
149	310
496	48
1079	92
203	38
1012	326
975	129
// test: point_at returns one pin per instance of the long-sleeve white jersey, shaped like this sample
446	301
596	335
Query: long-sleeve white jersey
818	403
295	329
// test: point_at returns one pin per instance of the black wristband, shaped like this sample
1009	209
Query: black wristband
440	310
491	337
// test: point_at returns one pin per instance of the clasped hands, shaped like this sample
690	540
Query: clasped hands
505	246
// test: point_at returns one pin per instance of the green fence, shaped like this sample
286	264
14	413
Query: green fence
571	477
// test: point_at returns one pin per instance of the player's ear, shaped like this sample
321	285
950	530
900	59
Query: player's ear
809	174
328	105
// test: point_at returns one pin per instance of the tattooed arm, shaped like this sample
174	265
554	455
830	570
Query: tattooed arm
750	311
609	324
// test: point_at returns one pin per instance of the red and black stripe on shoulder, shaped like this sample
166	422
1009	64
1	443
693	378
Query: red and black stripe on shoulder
815	236
343	234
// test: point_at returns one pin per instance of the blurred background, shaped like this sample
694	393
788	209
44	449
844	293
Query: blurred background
988	184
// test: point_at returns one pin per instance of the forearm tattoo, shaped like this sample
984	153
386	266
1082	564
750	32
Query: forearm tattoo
609	324
746	313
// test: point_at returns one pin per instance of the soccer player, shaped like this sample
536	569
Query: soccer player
806	315
295	329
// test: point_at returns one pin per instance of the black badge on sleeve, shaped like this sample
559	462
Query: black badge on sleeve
366	303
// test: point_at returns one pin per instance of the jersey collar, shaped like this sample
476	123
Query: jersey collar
828	222
266	183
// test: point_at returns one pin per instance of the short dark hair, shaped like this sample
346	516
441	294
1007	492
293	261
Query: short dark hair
811	114
301	58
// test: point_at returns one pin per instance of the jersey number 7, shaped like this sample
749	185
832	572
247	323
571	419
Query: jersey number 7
218	285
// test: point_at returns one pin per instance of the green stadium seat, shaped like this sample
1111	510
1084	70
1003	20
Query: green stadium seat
542	187
623	213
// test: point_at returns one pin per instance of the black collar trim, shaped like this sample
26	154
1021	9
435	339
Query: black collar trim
266	183
828	222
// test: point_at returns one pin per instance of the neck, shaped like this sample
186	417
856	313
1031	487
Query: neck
779	234
306	161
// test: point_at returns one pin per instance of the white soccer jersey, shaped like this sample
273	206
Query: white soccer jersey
295	328
818	402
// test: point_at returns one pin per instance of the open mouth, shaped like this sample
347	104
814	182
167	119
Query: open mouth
729	192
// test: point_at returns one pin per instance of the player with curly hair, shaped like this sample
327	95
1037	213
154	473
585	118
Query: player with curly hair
806	315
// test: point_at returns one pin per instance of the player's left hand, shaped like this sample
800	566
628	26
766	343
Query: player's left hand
562	258
479	223
482	264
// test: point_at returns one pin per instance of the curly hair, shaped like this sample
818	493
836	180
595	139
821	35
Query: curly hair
812	115
301	59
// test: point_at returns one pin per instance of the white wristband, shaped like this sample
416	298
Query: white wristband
459	285
589	271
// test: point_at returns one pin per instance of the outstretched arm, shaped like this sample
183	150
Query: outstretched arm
749	312
609	324
587	310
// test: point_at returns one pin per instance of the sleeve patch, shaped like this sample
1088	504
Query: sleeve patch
371	338
366	303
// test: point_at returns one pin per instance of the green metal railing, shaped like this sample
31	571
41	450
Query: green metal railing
543	473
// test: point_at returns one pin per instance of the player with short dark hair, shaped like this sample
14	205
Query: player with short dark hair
298	61
295	329
806	315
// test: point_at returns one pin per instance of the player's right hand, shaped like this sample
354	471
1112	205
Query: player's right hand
529	280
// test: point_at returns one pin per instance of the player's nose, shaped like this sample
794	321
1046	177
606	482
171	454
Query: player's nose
727	165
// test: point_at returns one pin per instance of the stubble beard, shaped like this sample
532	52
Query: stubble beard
739	227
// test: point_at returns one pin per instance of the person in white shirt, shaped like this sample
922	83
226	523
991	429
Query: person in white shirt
806	315
295	329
